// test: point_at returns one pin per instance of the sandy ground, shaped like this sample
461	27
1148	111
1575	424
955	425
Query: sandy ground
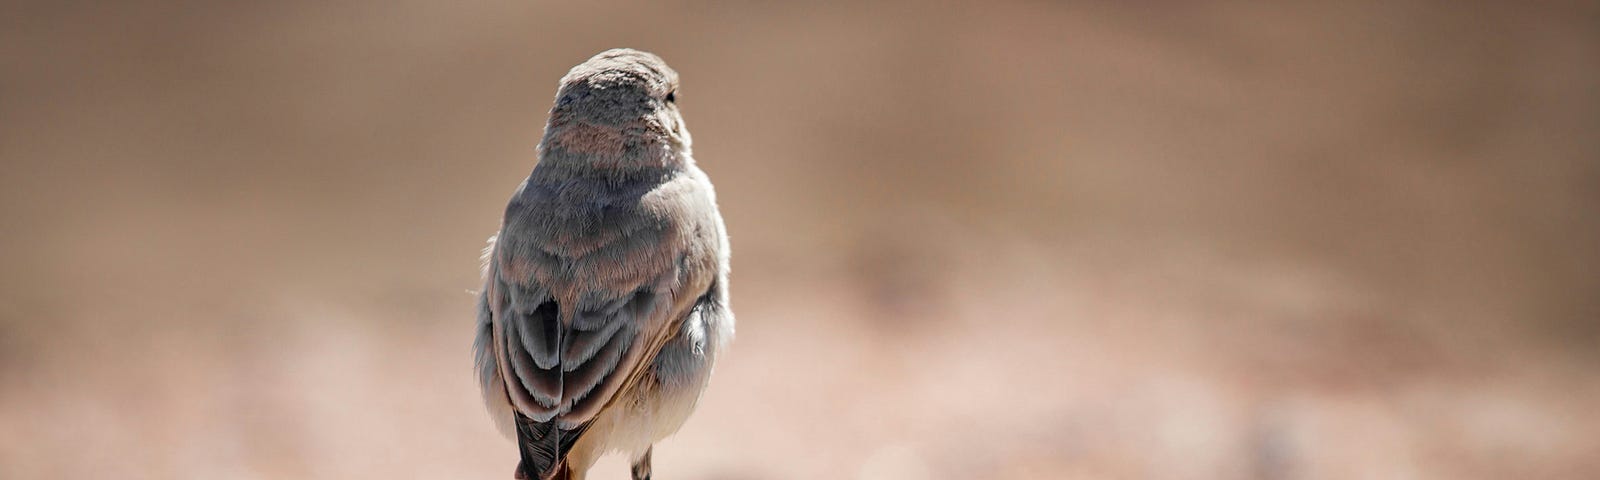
1008	240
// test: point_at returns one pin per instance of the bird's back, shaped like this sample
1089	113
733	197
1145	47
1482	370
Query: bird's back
590	278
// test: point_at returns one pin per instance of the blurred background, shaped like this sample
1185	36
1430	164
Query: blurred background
999	240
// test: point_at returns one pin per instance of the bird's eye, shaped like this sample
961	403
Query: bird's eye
672	96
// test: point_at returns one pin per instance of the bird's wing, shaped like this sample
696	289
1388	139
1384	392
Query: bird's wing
577	317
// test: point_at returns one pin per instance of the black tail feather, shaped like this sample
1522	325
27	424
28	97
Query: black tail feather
544	447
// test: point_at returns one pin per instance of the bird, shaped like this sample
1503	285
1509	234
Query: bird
605	296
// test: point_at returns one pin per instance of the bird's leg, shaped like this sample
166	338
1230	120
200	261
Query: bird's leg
641	468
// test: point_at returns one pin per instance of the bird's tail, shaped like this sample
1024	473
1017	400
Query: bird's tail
562	473
544	447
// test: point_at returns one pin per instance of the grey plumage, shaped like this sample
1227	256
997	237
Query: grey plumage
605	291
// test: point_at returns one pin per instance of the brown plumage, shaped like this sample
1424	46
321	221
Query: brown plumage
605	292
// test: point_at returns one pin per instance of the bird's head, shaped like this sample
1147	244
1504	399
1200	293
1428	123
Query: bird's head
618	109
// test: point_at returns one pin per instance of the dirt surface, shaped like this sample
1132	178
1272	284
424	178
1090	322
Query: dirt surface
999	240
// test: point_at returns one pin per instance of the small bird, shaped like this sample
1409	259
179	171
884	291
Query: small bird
605	297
